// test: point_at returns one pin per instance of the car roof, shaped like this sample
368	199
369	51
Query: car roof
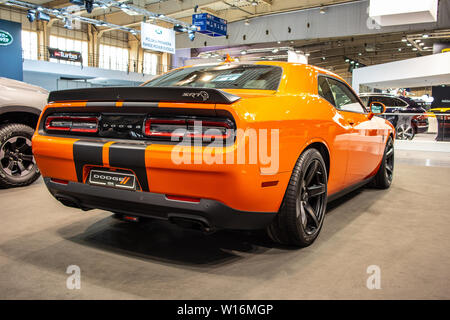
373	94
283	64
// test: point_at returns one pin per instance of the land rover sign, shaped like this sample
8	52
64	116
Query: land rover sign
5	38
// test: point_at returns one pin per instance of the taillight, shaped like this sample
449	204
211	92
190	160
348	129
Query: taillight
191	128
88	124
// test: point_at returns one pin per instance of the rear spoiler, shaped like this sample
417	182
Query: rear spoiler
145	94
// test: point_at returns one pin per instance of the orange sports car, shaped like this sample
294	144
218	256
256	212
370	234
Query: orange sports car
229	145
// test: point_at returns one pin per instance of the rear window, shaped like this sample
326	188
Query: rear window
259	77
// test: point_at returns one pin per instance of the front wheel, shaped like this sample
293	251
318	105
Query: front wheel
385	173
405	132
17	165
302	212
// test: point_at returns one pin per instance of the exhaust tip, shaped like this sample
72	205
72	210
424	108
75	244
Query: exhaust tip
69	201
190	222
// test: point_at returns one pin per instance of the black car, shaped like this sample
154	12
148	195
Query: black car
406	125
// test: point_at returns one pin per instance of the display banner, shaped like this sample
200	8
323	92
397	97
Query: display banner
156	38
441	95
11	50
74	56
210	25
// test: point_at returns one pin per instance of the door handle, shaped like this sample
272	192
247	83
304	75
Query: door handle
351	121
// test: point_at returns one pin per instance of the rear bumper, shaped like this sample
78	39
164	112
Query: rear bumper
213	214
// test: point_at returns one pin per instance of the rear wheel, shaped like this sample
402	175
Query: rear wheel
385	174
17	165
301	215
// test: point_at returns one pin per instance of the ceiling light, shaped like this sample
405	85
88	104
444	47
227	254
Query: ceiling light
244	52
254	3
278	42
275	50
67	23
417	40
247	22
307	54
347	60
322	11
191	35
421	44
414	49
425	36
404	40
31	15
409	44
399	49
352	62
359	54
323	58
89	5
426	48
292	42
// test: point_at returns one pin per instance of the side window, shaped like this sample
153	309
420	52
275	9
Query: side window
390	102
400	103
324	90
345	99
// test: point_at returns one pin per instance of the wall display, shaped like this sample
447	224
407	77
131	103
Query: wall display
74	56
11	50
156	38
210	25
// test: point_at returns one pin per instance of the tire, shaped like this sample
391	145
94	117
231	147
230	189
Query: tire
405	132
17	165
385	173
302	212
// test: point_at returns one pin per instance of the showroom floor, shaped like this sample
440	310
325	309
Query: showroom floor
403	230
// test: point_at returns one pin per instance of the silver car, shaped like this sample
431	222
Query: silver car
20	107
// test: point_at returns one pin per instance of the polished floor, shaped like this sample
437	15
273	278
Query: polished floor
405	231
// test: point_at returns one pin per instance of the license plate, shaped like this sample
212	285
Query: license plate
112	179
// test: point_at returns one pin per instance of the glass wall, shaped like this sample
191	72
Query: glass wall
114	58
151	63
29	45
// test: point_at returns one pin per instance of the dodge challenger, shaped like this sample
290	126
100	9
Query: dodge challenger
222	146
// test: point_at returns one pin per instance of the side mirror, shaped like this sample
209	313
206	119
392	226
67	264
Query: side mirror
376	108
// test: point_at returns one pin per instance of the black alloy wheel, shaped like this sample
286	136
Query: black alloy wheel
311	198
302	212
389	160
17	165
385	174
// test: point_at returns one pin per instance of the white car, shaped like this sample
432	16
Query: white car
20	107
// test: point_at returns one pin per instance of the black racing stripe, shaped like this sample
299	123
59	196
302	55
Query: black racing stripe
100	104
141	104
87	152
130	156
